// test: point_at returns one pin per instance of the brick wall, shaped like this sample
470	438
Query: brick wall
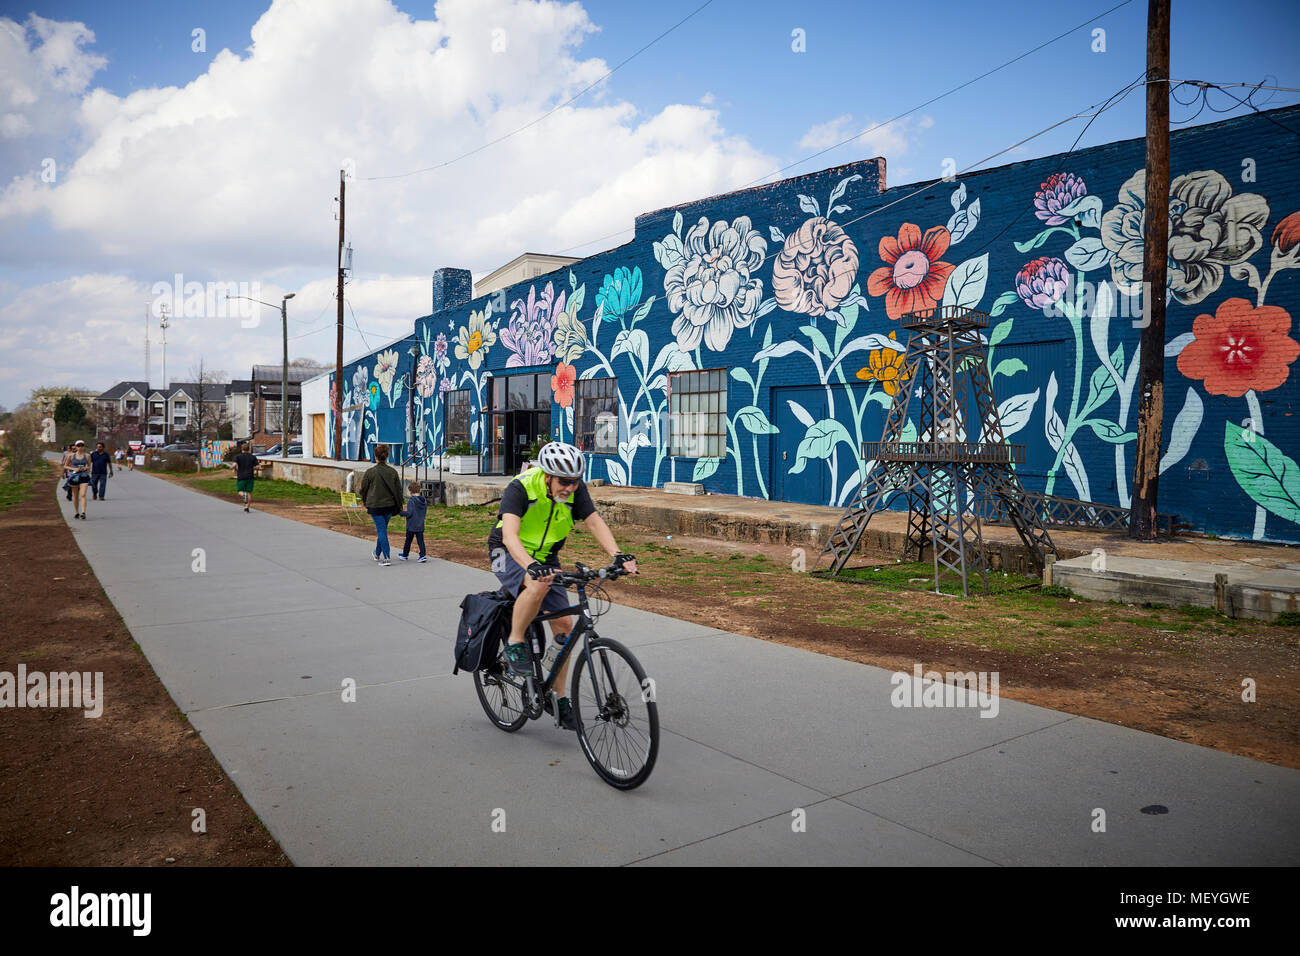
793	290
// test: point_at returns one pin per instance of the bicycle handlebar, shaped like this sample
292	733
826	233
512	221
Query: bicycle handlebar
583	574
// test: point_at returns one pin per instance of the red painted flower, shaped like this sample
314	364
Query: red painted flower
914	278
1240	348
562	384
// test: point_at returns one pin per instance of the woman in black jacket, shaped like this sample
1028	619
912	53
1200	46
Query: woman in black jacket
381	493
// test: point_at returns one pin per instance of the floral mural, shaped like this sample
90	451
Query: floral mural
797	296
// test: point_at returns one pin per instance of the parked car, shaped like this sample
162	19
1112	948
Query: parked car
295	451
183	448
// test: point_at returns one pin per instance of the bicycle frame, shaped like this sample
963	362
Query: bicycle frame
583	630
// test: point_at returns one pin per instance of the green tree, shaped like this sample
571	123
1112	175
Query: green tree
69	411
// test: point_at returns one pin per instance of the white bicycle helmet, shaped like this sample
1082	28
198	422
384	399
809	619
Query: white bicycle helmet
561	459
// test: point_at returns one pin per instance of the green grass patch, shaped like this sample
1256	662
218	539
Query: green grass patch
1196	612
901	577
1288	619
14	490
269	489
1055	590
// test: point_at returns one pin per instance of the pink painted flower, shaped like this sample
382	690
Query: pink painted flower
815	271
1041	283
1059	191
426	377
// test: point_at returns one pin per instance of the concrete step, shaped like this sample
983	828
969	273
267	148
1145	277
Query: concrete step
1236	590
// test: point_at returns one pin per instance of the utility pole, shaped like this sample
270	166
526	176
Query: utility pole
337	398
284	377
1151	408
163	325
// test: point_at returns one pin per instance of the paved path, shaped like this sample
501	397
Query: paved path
255	648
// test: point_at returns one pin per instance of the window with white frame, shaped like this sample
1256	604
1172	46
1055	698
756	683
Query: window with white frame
697	413
595	419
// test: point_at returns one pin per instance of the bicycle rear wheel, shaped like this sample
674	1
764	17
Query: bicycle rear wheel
617	717
500	694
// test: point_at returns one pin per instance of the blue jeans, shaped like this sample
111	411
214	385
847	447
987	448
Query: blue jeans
99	484
381	534
419	537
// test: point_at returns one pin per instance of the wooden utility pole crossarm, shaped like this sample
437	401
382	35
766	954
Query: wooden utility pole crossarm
1151	408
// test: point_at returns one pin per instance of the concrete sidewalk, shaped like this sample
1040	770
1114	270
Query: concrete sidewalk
255	649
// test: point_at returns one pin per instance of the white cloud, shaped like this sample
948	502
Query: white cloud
231	177
890	140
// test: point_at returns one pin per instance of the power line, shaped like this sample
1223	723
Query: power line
554	110
935	99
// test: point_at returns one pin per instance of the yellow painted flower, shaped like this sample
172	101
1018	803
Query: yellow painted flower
886	366
475	339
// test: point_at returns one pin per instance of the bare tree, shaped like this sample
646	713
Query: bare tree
21	439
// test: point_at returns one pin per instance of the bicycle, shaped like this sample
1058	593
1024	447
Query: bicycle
613	701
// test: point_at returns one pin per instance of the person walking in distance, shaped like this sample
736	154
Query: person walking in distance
381	493
79	477
67	485
245	472
101	467
416	506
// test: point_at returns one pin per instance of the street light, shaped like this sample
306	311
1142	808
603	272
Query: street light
284	368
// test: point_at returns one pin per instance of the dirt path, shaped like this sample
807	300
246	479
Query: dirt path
119	790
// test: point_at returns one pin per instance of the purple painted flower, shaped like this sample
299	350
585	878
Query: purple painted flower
440	352
446	385
532	325
1059	191
1041	283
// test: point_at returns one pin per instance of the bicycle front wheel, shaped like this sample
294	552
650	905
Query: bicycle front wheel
616	713
500	694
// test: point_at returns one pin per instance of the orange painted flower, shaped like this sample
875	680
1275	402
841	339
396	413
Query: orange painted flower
914	278
1286	242
562	384
1240	348
887	367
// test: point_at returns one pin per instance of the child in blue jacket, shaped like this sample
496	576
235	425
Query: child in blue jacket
416	506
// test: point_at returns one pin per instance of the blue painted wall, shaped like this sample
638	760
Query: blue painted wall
796	289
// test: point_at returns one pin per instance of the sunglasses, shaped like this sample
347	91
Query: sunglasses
566	482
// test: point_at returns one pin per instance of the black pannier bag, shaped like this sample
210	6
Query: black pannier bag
484	624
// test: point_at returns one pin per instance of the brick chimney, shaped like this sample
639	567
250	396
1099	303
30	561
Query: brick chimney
451	288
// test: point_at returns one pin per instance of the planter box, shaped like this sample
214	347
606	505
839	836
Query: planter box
464	464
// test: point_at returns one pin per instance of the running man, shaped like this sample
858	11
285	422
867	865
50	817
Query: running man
245	472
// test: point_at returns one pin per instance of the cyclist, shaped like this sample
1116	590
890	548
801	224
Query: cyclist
537	511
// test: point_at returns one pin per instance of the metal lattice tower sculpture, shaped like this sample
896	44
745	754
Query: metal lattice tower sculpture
956	467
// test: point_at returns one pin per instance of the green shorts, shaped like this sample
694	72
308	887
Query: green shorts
244	484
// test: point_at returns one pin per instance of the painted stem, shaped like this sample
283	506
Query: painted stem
1257	426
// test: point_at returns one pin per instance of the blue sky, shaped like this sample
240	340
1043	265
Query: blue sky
231	174
868	60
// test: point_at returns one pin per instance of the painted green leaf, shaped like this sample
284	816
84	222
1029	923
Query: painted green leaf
1038	240
1010	367
908	433
819	340
1002	329
1270	478
643	311
741	374
1101	384
752	417
704	467
819	442
1109	431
